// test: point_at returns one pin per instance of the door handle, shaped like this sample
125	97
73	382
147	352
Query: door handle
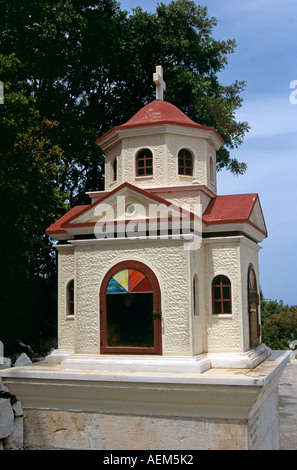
157	315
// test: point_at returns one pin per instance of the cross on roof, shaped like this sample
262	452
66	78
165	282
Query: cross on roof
160	84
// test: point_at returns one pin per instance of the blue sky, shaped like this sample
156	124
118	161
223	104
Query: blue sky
266	58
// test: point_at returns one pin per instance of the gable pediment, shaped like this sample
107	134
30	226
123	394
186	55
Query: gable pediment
256	217
126	203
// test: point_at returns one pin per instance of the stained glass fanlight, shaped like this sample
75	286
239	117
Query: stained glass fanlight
128	281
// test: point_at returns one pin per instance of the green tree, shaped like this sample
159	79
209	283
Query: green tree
29	197
279	324
90	64
179	37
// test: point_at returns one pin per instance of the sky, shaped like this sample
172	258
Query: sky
265	58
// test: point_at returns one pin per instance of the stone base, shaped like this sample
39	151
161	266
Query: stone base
56	429
196	364
77	408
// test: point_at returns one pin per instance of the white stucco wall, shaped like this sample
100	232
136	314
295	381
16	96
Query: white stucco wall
229	333
66	272
248	254
198	319
165	148
114	152
224	332
183	333
168	260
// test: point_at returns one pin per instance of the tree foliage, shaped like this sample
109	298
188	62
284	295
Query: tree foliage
89	65
279	324
30	197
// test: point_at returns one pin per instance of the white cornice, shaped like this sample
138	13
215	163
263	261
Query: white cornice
126	240
95	195
232	239
245	227
117	134
65	247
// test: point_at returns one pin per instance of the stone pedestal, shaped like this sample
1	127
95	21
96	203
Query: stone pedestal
77	405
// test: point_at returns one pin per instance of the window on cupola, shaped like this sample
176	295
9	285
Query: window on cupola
211	169
144	163
115	168
185	163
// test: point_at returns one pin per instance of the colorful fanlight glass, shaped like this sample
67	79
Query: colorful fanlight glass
128	280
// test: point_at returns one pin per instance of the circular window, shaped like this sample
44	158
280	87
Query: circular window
130	209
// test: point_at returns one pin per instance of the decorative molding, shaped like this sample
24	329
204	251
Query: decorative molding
215	393
232	239
153	129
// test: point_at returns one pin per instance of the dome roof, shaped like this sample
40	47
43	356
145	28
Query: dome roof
156	113
159	112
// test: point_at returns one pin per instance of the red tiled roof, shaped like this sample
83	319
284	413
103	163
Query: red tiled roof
229	209
221	210
159	112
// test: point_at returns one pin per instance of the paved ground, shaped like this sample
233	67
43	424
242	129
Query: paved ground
288	407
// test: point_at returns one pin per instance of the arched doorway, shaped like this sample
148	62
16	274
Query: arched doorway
253	308
130	310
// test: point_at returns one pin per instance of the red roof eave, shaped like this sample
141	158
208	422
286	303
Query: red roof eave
58	227
232	209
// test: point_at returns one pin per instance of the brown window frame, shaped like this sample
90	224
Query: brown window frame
222	282
70	298
145	157
185	156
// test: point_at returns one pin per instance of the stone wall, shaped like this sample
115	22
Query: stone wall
11	411
11	421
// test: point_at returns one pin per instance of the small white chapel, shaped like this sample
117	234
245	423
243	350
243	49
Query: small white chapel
128	282
159	330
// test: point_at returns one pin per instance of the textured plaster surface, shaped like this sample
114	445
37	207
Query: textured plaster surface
247	255
182	331
165	148
65	274
223	331
168	261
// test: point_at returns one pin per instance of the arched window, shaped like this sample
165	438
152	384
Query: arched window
115	169
211	169
144	163
130	310
185	163
221	295
70	297
195	296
